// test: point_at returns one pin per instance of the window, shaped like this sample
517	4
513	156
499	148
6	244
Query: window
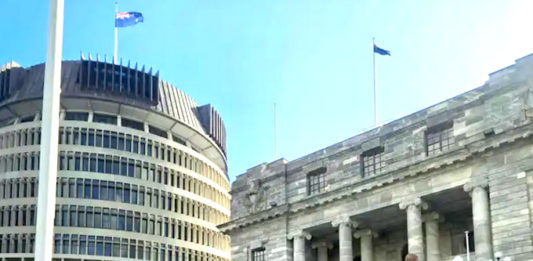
133	124
179	140
77	116
28	118
316	181
439	138
259	254
157	131
102	118
371	163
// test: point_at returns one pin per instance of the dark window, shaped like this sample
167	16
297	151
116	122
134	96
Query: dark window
77	116
133	124
102	118
28	118
371	163
439	138
317	181
157	131
259	254
179	140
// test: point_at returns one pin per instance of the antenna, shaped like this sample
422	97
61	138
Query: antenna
275	132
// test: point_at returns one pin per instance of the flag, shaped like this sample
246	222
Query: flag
381	51
126	19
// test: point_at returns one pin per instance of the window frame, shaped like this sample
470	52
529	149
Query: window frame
372	154
320	175
442	132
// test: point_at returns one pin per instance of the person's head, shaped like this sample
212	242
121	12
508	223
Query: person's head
411	257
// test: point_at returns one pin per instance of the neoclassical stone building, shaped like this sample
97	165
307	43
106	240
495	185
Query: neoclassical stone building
455	179
142	171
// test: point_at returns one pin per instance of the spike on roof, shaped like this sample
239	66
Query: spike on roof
82	57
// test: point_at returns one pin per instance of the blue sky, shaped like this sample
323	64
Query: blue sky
312	57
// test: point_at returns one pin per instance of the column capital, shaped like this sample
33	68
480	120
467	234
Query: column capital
322	243
344	221
365	232
471	185
417	202
433	216
299	234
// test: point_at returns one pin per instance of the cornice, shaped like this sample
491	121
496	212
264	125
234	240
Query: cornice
423	166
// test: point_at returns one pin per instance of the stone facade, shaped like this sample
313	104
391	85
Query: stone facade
456	175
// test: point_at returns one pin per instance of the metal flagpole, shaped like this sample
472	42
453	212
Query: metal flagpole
275	132
375	88
467	246
46	201
116	33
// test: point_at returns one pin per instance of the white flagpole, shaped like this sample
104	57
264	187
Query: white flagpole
116	33
375	87
46	200
275	132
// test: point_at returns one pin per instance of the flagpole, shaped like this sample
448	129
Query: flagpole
375	87
275	132
116	33
46	198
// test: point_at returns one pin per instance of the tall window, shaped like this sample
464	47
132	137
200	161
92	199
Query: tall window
259	254
371	163
316	181
439	138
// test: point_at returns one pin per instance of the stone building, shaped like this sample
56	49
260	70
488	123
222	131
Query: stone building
142	172
455	175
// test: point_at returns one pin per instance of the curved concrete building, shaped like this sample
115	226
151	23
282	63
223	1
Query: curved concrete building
142	168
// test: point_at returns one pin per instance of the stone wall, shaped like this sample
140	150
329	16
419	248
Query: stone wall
491	127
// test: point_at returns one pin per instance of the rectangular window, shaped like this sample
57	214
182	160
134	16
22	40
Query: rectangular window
132	124
316	181
107	119
439	138
76	116
371	163
157	131
179	140
259	254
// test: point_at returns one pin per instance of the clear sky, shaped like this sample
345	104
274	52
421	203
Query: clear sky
312	57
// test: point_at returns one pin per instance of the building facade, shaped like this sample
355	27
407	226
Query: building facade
142	171
453	180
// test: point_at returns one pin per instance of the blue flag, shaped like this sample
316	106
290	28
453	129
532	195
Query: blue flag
126	19
381	51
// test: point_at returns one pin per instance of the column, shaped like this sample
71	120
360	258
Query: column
367	249
481	220
322	250
432	236
415	236
298	249
345	238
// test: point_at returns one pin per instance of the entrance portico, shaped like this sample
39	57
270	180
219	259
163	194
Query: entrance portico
431	227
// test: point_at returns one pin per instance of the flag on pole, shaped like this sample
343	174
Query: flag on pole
381	51
126	19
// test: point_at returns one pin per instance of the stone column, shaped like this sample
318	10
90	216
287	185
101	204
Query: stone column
367	249
432	236
298	249
481	219
345	238
415	235
322	250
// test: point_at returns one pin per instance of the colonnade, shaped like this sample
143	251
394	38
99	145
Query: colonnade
426	250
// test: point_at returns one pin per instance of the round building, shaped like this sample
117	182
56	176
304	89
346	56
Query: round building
142	171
